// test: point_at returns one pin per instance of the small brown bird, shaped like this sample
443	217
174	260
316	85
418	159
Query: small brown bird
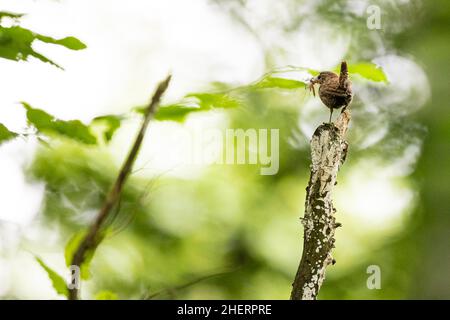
334	91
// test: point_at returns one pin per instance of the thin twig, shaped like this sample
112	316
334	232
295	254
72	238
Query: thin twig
172	290
93	235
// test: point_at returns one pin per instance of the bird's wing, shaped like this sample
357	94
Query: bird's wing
337	92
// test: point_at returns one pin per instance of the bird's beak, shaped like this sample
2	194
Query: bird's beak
314	80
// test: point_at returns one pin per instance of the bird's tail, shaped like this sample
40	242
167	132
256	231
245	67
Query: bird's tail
344	73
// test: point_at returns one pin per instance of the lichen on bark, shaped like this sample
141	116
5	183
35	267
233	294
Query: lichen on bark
328	153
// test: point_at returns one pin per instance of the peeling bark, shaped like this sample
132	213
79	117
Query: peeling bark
328	153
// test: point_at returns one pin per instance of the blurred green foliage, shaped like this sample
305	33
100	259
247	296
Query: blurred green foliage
427	41
106	125
231	233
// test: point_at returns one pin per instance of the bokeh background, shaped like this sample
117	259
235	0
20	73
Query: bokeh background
193	231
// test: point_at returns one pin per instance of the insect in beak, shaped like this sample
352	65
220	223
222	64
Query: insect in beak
311	85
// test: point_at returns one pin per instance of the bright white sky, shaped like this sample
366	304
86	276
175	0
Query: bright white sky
131	46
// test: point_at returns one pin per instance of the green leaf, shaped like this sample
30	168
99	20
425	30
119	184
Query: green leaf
276	82
208	101
106	295
369	71
193	102
76	130
108	125
313	72
16	43
68	42
175	112
49	125
11	15
71	247
58	282
5	134
366	70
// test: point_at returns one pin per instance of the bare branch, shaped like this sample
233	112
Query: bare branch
93	235
328	153
172	290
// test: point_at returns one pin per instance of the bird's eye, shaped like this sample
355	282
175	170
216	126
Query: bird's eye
319	77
